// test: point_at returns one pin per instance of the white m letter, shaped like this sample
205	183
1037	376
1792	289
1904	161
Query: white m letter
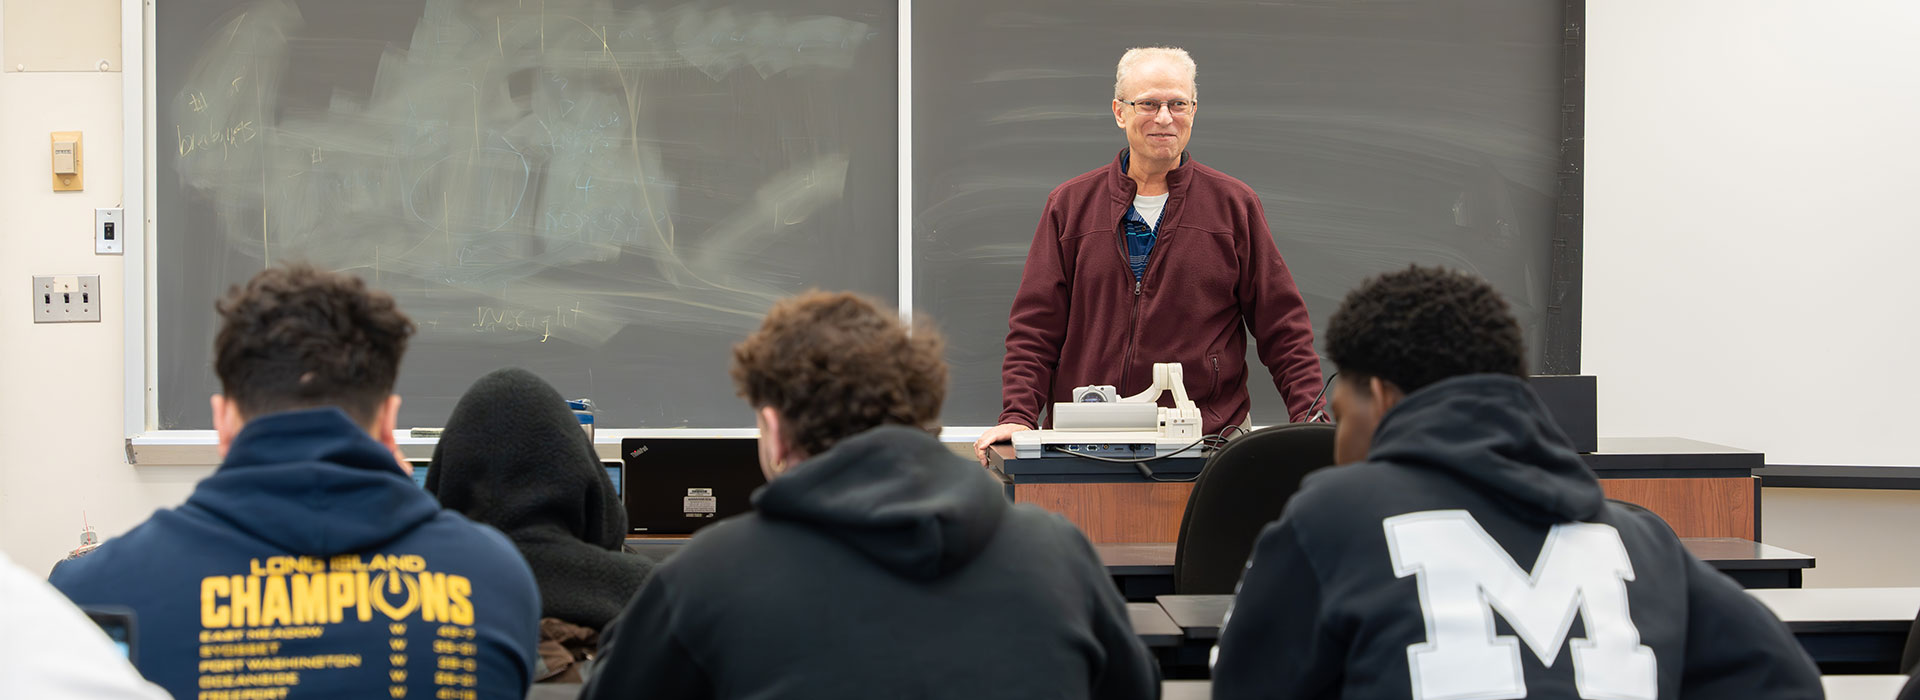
1464	577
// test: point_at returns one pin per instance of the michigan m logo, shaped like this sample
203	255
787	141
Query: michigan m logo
1465	577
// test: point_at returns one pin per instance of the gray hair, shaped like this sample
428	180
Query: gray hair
1136	56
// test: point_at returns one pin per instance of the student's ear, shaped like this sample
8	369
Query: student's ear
227	422
1385	395
385	418
773	442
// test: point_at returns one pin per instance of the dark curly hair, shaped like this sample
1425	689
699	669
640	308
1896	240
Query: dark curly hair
1424	324
835	364
300	337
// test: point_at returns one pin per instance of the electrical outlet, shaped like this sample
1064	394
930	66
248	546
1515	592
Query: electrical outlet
66	298
107	232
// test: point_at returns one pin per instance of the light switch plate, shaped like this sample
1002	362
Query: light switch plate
108	233
66	298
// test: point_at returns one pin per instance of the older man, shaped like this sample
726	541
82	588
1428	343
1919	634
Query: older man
1153	258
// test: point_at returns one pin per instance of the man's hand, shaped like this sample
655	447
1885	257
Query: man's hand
999	433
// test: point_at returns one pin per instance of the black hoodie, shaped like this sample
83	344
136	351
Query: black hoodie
514	457
886	567
1425	571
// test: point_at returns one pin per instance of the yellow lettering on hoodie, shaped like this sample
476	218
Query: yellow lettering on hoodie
458	588
213	615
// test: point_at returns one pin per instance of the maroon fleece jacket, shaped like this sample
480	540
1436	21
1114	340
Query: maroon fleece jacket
1080	318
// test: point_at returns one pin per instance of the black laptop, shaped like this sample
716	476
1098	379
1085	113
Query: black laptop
678	485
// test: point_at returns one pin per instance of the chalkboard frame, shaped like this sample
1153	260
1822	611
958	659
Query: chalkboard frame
146	445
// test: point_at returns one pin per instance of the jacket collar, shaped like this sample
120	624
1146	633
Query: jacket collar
1122	188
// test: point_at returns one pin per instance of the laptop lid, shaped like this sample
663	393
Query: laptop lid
678	485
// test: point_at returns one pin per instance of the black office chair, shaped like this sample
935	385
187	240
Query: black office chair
1910	691
1910	656
1243	487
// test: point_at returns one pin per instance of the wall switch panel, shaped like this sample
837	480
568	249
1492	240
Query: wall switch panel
108	232
68	161
66	298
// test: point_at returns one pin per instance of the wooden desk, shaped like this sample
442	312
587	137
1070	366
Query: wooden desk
1144	570
1699	488
1876	687
1855	630
1109	502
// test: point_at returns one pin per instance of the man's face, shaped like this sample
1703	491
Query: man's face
1159	135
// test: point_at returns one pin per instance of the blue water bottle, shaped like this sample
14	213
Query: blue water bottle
583	410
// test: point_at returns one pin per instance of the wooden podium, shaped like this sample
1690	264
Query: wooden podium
1701	489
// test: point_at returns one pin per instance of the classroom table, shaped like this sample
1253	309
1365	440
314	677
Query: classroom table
1845	630
1852	630
1876	687
1151	624
1143	570
1865	687
1699	488
1186	690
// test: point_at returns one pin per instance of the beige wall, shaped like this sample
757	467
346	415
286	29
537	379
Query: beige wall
61	448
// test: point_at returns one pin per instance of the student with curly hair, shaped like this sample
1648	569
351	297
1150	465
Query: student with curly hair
309	565
1468	552
877	563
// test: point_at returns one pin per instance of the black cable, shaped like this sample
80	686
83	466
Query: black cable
1308	415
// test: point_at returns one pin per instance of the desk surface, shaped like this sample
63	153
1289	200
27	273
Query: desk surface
1862	687
1724	553
1619	457
1843	609
1151	624
1805	610
1199	616
1659	456
1043	470
1195	690
1837	688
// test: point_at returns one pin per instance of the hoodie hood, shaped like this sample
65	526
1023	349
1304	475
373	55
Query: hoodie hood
895	494
513	456
314	482
1493	434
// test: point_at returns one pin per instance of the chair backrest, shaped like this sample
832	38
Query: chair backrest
1243	487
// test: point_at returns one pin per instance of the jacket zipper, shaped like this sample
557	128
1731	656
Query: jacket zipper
1214	388
1133	317
1133	312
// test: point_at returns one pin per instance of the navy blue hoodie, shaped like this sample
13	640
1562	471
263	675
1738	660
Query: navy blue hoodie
886	567
1473	554
309	566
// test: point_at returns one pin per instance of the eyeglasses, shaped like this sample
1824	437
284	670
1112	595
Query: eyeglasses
1153	106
